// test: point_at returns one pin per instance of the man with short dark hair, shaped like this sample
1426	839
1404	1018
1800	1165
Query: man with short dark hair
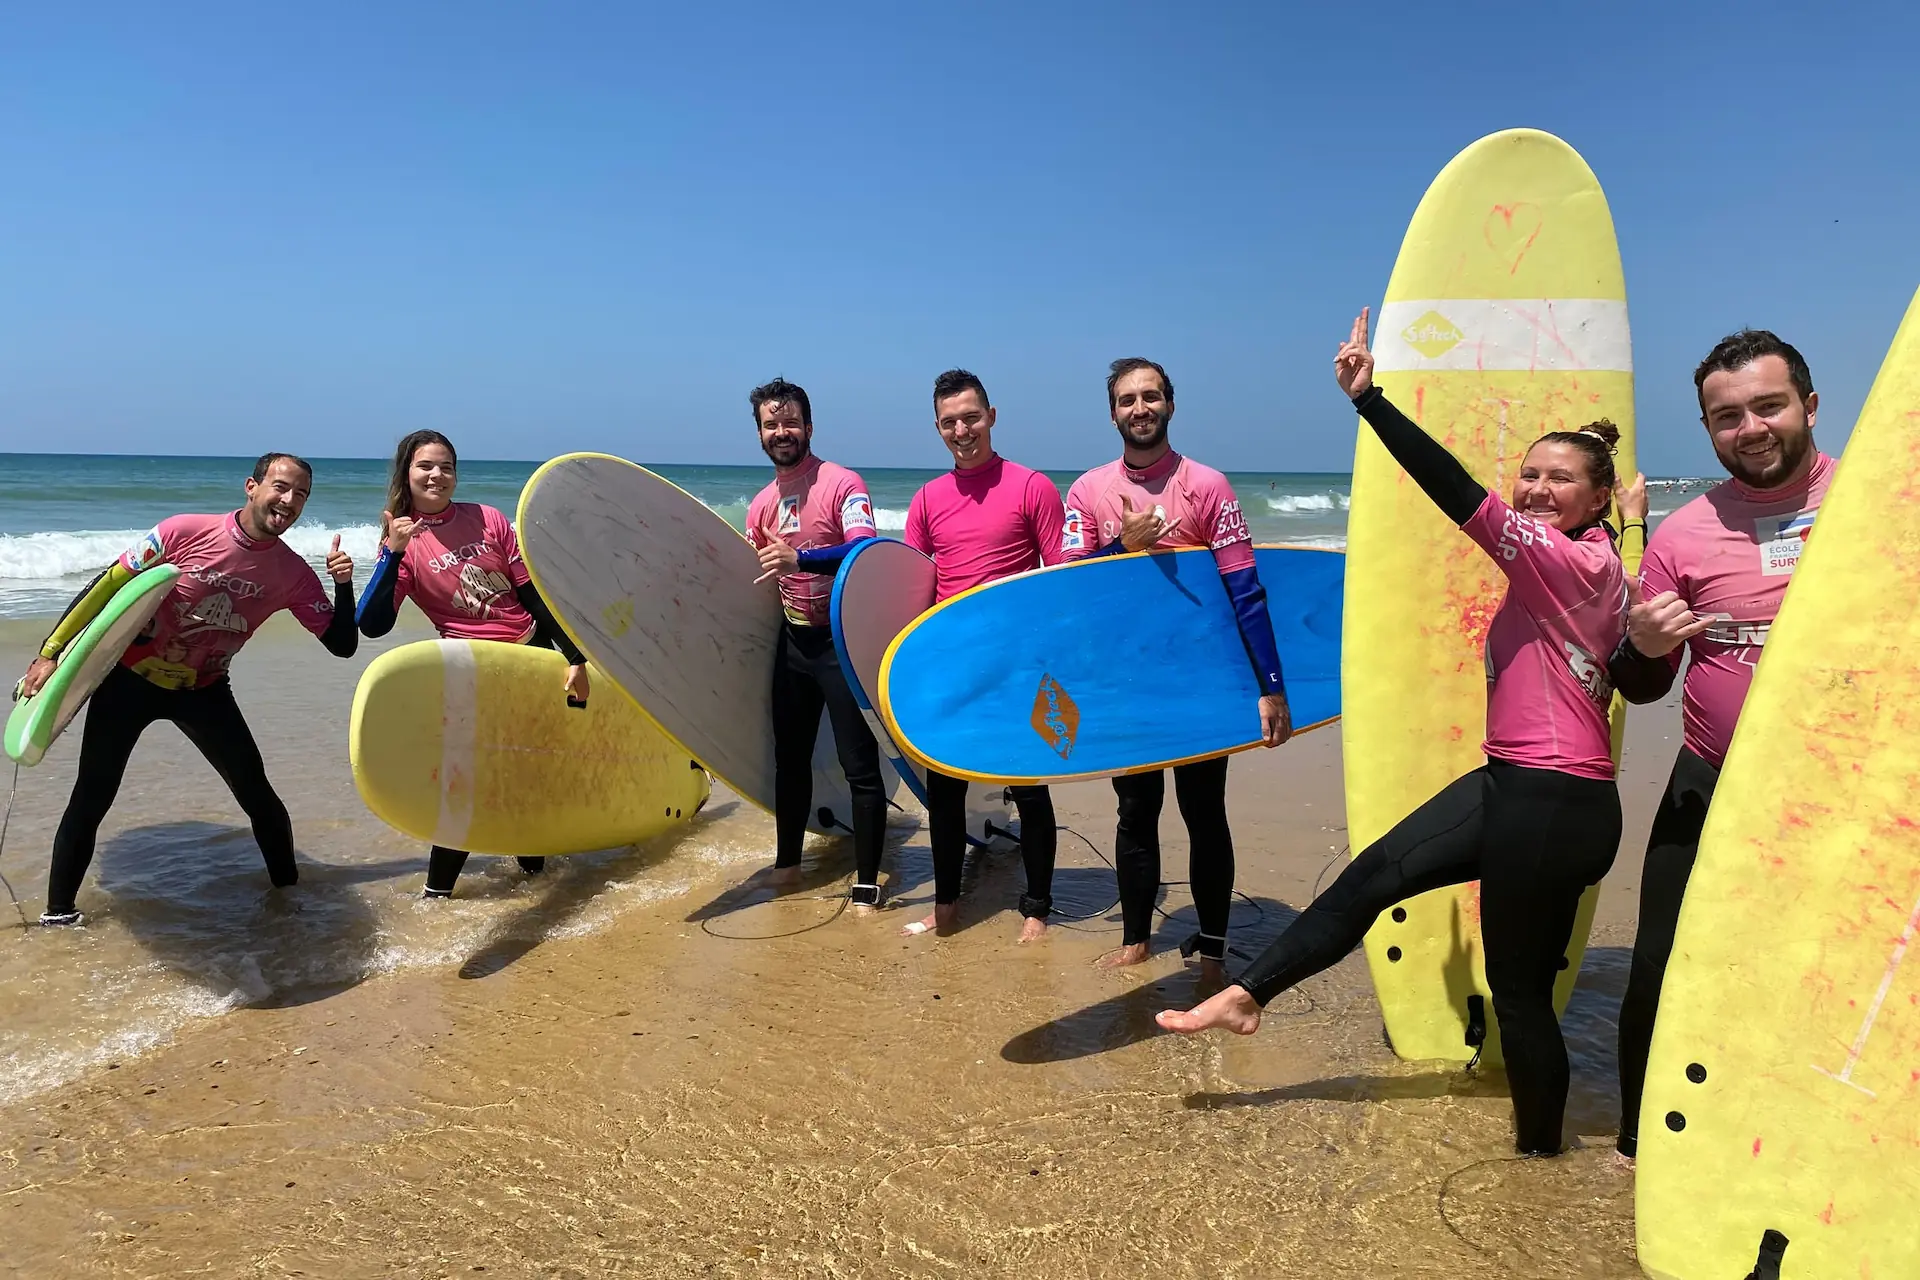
1711	583
803	524
1154	497
984	520
235	573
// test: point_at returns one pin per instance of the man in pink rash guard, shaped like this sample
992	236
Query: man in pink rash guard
1711	584
1154	497
984	520
803	524
235	573
1539	822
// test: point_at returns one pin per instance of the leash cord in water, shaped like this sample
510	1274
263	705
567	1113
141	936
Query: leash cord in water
5	821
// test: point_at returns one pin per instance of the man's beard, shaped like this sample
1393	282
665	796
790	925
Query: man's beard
786	454
1793	451
1154	441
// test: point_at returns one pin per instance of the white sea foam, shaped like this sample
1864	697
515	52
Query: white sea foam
83	553
1307	503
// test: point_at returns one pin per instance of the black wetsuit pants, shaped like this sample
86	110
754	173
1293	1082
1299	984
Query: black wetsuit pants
1535	839
1200	789
806	678
947	827
1670	851
119	712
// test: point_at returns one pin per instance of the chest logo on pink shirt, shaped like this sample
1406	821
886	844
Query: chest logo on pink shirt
1782	539
789	516
1056	716
210	613
479	590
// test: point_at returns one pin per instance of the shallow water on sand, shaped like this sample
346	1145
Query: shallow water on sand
649	1062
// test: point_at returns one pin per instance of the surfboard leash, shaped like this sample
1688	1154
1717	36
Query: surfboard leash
6	819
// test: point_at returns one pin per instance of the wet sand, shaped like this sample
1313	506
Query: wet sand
649	1064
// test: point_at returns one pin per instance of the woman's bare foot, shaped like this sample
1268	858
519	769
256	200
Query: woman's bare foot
1234	1009
1622	1161
784	875
1132	953
941	921
1213	974
1032	929
864	909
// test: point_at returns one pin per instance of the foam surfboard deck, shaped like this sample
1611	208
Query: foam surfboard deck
882	586
1505	318
471	744
35	722
1783	1091
1120	664
658	591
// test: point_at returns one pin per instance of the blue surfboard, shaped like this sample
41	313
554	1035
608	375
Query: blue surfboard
1115	665
881	587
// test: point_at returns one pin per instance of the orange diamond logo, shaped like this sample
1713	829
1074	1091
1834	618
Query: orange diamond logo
1056	717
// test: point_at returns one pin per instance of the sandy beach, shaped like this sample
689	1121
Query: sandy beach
645	1063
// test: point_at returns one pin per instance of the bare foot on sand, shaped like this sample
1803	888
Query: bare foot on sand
1032	929
941	921
863	909
1233	1009
1213	974
784	875
1622	1161
1132	953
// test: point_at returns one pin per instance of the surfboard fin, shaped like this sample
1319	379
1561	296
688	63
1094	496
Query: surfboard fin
1773	1247
1476	1027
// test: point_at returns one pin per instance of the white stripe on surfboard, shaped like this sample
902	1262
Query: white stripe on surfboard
1549	335
458	698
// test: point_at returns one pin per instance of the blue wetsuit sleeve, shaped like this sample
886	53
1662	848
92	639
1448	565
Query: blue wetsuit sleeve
1249	598
546	626
378	610
341	637
825	559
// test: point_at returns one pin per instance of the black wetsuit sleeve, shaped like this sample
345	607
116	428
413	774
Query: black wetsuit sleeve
341	636
545	625
1638	678
1450	485
378	609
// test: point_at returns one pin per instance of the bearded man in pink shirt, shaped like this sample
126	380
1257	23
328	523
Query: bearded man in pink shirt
1153	497
1711	584
235	573
984	520
803	524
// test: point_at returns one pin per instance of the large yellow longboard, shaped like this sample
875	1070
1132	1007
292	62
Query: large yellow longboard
471	744
1783	1094
1505	318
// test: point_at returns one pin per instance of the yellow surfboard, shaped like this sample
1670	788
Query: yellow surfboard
471	744
1781	1129
1505	318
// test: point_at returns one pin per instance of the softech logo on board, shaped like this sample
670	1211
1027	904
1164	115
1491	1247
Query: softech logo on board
1432	335
1056	717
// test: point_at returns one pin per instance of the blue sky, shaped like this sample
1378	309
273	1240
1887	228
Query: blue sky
229	227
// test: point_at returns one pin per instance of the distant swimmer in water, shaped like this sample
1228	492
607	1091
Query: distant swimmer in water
803	524
235	573
1540	821
1712	582
459	562
984	520
1154	497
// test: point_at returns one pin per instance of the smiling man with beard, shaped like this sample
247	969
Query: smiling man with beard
1712	582
235	573
1151	498
803	524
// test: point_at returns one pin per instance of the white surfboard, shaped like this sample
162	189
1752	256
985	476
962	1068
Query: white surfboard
658	591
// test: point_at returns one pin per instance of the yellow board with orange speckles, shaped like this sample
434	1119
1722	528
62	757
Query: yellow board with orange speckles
1505	318
1783	1094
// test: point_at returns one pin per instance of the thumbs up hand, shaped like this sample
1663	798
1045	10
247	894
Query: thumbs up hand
339	563
776	557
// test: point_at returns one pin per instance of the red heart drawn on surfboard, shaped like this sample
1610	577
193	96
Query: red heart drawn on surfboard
1511	229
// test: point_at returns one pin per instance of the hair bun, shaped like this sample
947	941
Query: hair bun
1603	428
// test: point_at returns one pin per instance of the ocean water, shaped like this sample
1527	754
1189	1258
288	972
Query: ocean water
64	516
